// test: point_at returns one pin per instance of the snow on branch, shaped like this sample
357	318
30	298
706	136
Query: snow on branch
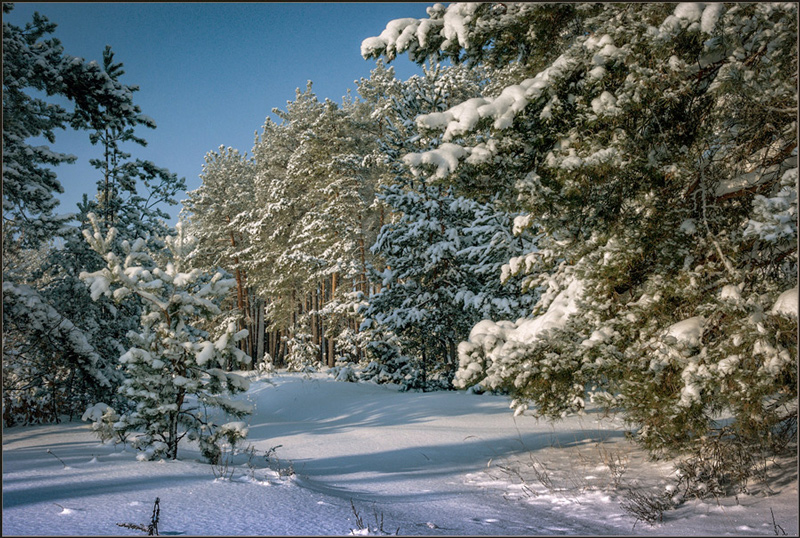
464	118
397	37
400	35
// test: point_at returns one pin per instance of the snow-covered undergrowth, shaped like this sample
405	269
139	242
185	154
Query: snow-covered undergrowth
424	463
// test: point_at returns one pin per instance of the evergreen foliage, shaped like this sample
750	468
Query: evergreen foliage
299	246
42	253
441	251
654	150
591	201
173	371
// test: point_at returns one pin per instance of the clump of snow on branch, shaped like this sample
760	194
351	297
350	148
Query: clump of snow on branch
407	34
775	218
395	38
499	345
786	304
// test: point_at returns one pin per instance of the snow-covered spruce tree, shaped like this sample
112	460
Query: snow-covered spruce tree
442	252
659	158
443	256
173	371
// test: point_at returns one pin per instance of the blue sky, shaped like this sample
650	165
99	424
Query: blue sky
210	73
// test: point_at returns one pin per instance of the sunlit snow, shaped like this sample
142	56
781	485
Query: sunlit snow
441	463
786	303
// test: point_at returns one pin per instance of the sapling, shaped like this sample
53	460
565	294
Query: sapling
173	371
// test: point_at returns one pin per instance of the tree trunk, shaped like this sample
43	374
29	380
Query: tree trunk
260	336
322	325
314	336
451	348
241	299
331	338
363	253
424	369
273	346
172	432
316	325
284	345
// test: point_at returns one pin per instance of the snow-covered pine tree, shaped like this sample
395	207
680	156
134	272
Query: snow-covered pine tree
659	157
129	196
310	222
36	388
104	323
278	269
173	371
218	217
339	228
130	191
31	62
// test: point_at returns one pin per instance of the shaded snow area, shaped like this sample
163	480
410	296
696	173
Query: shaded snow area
442	463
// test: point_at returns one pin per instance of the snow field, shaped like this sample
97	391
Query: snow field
441	463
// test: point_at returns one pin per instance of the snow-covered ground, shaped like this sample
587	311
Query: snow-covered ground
424	463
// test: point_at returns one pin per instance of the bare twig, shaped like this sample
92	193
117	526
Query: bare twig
359	521
649	507
378	522
152	528
775	526
134	526
56	457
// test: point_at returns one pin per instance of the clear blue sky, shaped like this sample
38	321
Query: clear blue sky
210	73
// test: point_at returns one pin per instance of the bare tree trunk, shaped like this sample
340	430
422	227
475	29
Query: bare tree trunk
172	432
316	325
424	369
451	348
363	253
260	338
284	345
358	347
312	309
331	343
248	320
107	173
242	298
320	321
273	343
